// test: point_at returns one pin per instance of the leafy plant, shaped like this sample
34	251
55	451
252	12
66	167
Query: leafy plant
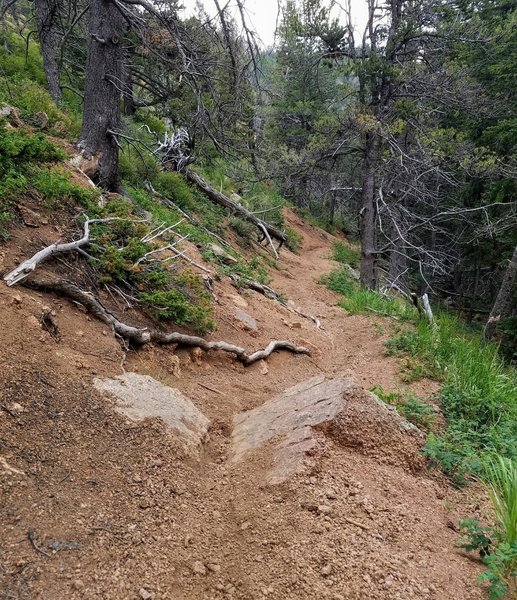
409	406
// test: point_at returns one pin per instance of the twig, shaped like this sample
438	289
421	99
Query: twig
30	535
356	523
211	389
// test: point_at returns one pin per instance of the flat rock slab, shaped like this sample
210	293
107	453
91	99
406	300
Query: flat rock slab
338	408
140	397
247	321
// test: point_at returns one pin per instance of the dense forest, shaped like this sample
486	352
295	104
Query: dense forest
400	136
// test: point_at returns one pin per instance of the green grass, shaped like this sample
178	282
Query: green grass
345	255
479	393
500	480
497	544
409	406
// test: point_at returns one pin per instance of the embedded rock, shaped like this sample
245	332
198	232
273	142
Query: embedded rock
140	397
287	426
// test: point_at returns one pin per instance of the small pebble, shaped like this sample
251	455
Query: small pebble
199	568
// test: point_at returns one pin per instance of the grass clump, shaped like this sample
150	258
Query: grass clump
409	406
345	255
497	545
358	300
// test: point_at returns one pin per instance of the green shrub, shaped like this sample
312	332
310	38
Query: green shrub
137	167
340	281
186	302
409	406
174	187
19	150
244	229
56	189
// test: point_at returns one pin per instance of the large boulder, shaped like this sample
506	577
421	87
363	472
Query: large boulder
140	397
289	426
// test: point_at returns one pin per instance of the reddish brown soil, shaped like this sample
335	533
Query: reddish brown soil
132	518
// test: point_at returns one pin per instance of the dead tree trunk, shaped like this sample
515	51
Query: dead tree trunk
103	85
237	209
46	15
504	297
368	275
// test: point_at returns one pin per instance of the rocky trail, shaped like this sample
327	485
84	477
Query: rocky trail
175	474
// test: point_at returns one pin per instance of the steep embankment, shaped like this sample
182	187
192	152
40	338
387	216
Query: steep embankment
96	505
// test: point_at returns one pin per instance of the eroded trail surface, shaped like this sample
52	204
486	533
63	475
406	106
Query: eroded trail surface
318	492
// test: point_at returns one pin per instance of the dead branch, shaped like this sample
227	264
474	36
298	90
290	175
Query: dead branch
29	265
145	335
219	198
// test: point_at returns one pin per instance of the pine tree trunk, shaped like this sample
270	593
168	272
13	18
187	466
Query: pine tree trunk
369	276
103	84
504	297
46	14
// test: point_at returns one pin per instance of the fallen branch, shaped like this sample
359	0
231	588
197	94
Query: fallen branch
144	335
238	209
29	265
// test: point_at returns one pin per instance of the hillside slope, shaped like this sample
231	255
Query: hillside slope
96	505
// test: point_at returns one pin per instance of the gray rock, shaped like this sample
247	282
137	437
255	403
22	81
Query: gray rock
246	319
222	254
339	409
140	397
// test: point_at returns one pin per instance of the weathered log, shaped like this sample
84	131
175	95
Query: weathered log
145	335
235	208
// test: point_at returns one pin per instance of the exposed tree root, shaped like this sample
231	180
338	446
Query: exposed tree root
144	335
270	293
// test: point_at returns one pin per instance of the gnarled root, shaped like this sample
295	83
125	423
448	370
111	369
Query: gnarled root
144	335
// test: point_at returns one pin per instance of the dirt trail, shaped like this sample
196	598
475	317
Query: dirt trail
115	510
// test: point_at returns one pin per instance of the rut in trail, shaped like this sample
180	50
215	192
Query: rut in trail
284	480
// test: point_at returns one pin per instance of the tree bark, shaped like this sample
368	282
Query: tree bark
369	276
46	14
103	85
504	297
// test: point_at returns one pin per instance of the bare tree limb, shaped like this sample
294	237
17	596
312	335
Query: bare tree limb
27	266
